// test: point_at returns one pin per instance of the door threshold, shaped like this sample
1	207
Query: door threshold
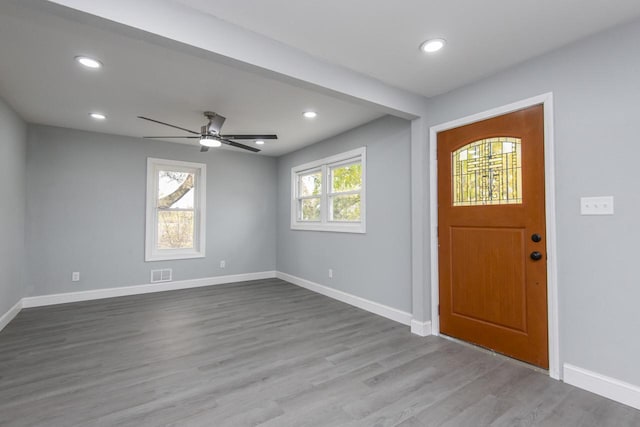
496	354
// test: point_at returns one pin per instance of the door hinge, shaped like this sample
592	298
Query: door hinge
438	309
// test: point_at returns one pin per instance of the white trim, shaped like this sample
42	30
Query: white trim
356	301
10	314
419	283
552	257
200	185
550	197
422	329
603	385
358	155
335	158
64	298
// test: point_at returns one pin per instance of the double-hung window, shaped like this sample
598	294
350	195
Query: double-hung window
175	226
329	194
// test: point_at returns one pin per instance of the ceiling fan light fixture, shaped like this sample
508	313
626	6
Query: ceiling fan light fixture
260	142
87	62
310	114
208	141
432	45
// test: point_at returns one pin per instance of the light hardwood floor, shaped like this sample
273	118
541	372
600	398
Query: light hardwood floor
264	353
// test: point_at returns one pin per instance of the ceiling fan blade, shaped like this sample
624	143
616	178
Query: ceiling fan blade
167	124
187	137
238	145
203	149
236	136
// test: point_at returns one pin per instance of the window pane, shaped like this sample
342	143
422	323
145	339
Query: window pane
345	208
310	209
175	189
310	184
175	229
346	178
487	172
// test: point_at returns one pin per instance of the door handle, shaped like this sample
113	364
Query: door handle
535	255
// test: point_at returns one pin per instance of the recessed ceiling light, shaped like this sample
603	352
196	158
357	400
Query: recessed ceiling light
260	142
98	116
310	114
433	45
208	141
88	62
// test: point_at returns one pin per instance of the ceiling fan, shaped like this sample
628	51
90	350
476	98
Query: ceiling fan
210	135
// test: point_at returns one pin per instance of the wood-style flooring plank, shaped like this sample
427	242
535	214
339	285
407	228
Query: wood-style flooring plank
264	353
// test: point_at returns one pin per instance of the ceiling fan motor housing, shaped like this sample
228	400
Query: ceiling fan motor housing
215	123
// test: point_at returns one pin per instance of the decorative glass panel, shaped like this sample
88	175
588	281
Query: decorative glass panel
488	172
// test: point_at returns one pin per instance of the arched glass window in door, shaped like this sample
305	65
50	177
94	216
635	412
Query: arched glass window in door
488	172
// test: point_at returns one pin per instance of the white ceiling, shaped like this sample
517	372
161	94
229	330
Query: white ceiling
174	83
381	38
41	81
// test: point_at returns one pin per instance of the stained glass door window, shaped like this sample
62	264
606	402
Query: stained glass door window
488	172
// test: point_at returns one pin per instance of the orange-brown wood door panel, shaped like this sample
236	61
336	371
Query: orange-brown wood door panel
491	222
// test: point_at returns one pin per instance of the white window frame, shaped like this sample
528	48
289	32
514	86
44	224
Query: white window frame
152	253
324	166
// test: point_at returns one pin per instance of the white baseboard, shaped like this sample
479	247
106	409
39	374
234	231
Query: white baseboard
10	314
608	387
422	329
68	297
419	328
365	304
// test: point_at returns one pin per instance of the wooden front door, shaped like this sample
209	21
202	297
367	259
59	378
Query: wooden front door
491	231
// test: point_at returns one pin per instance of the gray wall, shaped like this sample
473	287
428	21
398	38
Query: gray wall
86	211
375	265
13	143
596	87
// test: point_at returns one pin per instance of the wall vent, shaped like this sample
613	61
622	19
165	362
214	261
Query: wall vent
163	275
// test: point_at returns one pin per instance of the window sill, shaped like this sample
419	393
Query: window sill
358	228
173	256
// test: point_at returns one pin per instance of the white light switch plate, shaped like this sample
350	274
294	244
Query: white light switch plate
596	205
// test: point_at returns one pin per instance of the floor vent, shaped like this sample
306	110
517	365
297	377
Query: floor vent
163	275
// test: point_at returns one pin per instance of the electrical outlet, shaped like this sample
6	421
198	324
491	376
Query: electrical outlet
223	264
331	273
75	276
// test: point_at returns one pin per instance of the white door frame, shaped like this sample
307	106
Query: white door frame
550	211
